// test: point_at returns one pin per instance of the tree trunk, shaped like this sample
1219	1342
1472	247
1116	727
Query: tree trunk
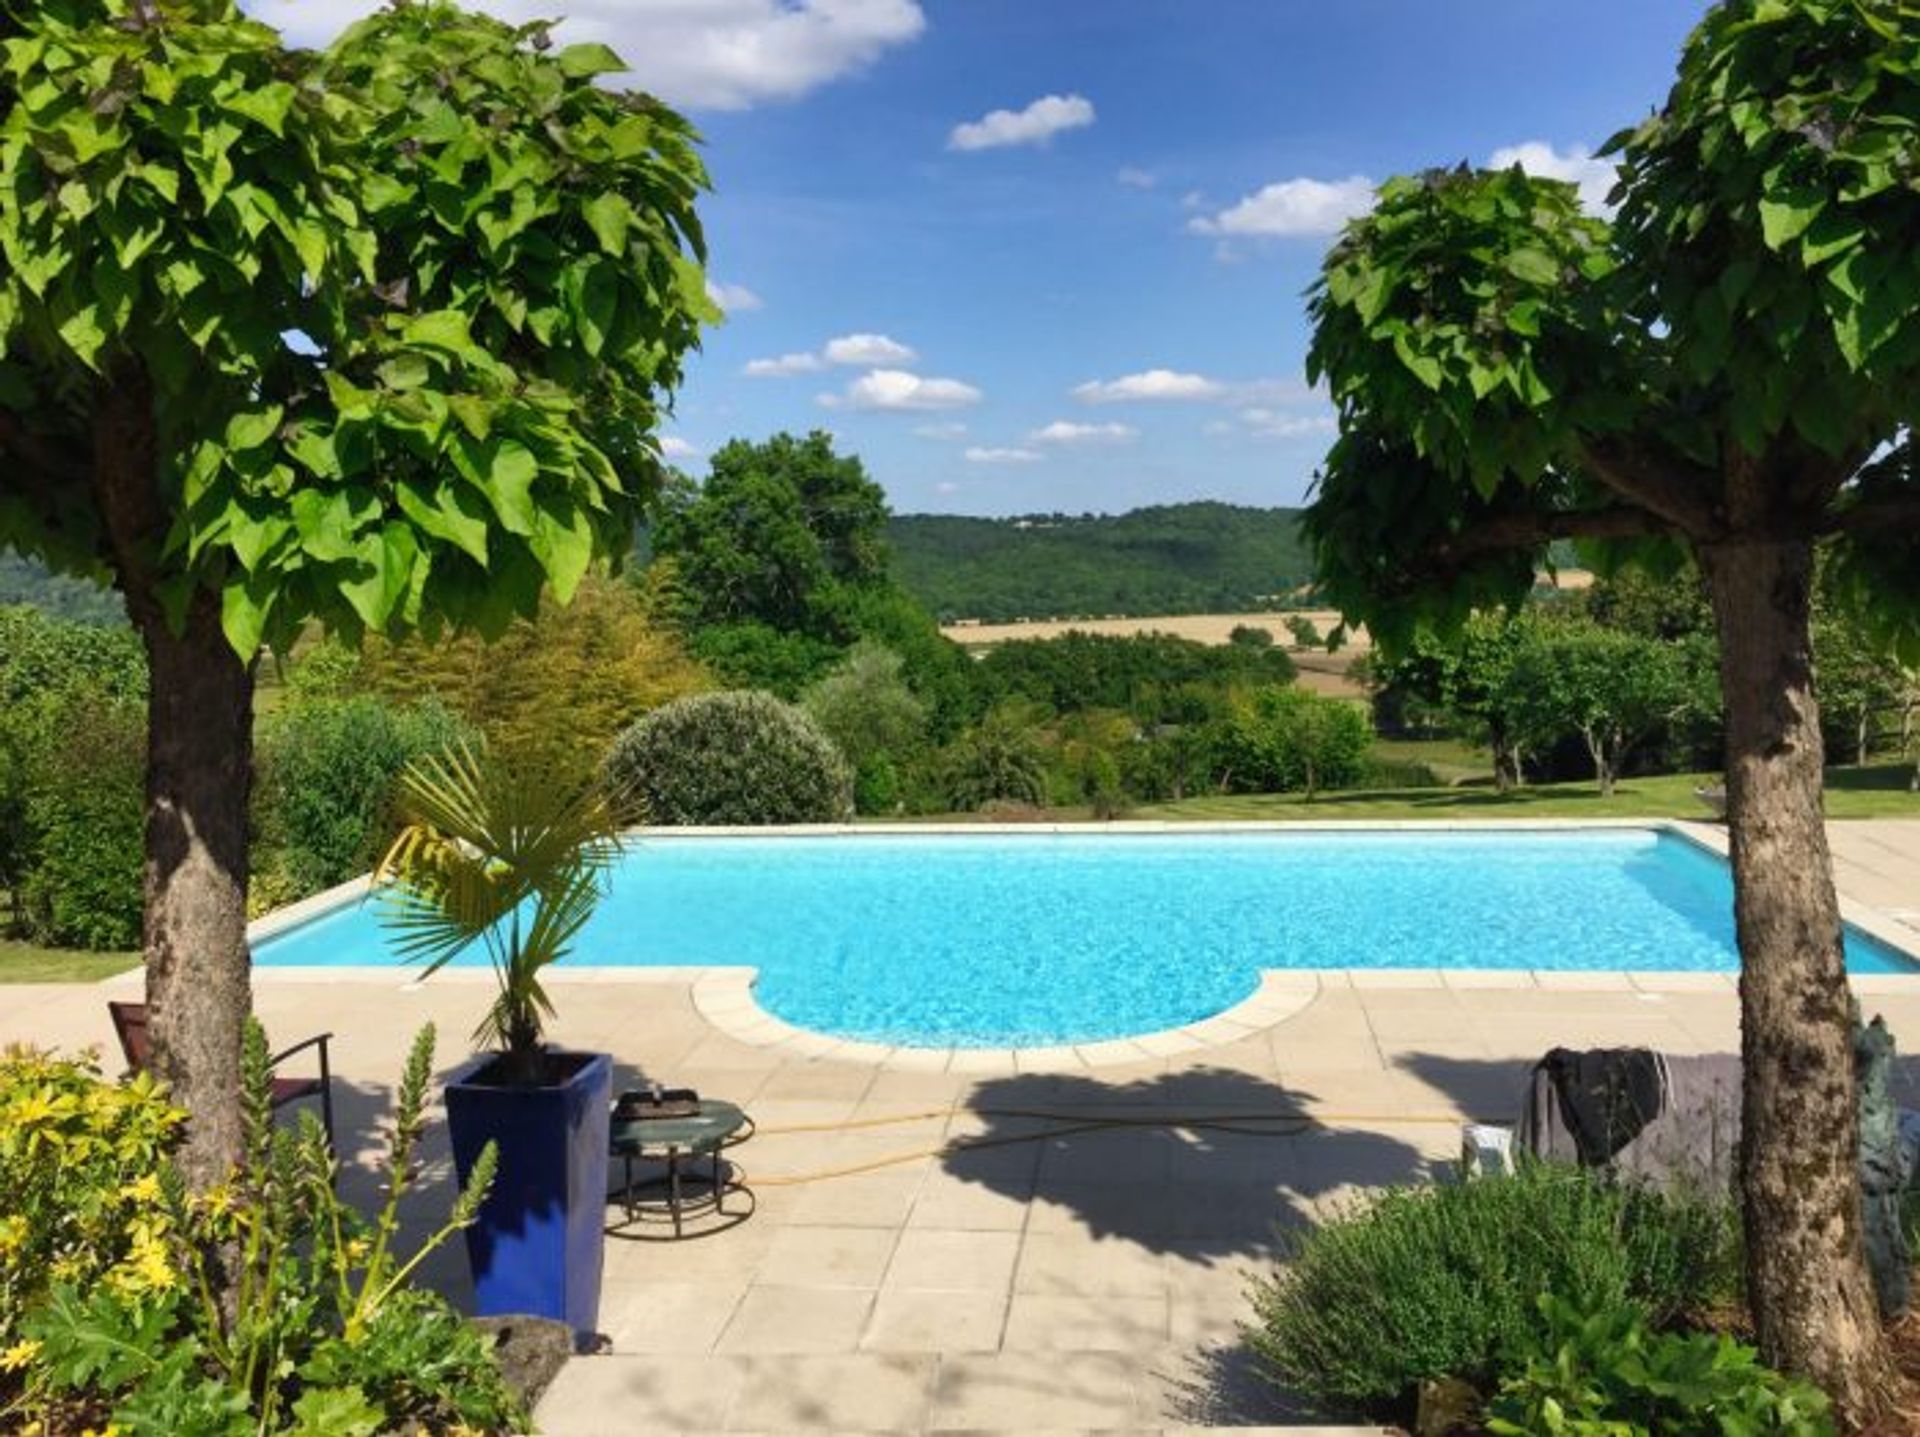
1597	750
1506	762
1812	1300
199	771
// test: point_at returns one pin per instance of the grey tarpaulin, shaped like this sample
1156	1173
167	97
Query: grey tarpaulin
1693	1139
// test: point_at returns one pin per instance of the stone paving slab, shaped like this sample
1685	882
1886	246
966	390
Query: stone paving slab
1060	1281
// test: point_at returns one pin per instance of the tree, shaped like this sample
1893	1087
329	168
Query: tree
1252	636
555	689
1305	633
867	709
373	337
1728	369
1609	687
1468	674
1280	739
775	535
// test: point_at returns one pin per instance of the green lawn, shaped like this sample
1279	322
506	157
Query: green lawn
1875	791
25	963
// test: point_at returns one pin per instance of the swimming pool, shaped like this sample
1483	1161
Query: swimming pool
1031	939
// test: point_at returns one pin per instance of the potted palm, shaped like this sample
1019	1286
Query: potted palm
505	861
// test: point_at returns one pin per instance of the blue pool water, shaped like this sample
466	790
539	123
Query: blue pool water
1021	939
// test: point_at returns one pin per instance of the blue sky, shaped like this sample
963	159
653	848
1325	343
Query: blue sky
1092	300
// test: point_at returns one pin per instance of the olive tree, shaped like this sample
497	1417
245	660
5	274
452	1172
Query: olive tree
1727	368
374	337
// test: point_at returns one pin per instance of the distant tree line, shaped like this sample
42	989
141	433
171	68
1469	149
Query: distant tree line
1167	559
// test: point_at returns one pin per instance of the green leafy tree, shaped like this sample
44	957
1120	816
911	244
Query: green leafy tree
375	336
867	709
1280	740
775	535
1727	369
1609	687
1304	632
1252	636
1467	675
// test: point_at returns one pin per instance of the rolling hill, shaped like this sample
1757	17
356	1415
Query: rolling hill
1168	559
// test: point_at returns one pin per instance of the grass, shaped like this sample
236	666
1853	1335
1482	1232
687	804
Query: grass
27	963
1872	791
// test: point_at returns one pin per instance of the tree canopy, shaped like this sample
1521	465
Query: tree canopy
1729	367
402	310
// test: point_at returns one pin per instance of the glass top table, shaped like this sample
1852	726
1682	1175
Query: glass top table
676	1142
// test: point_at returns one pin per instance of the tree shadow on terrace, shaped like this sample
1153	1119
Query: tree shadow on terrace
1208	1167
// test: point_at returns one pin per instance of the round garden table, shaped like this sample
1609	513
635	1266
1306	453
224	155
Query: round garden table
677	1141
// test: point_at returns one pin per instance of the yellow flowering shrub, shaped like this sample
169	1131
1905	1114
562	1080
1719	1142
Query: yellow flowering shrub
80	1188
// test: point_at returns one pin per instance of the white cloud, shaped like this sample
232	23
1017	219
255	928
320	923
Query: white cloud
1273	424
1192	200
946	486
733	298
1063	431
947	429
897	389
1135	178
1035	125
672	446
1579	166
780	368
1150	384
706	54
1292	208
866	349
1001	456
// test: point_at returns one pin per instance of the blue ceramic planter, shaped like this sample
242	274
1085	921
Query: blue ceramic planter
538	1244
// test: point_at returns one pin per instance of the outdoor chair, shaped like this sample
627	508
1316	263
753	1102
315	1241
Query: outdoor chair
130	1022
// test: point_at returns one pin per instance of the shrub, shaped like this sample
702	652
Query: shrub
736	757
1398	773
1441	1281
86	824
323	798
997	761
76	1204
1602	1373
324	1332
867	709
1282	739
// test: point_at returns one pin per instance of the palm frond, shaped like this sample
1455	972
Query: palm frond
500	857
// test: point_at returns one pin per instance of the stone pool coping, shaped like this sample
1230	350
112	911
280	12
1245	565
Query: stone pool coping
724	996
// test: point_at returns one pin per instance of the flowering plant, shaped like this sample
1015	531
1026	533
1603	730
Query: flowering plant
262	1305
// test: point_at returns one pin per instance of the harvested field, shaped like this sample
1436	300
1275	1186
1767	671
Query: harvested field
1320	671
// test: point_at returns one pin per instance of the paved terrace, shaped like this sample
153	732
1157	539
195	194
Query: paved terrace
1083	1281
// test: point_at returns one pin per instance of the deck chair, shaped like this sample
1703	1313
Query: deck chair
130	1022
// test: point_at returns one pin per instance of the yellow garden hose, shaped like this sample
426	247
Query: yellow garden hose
1252	1125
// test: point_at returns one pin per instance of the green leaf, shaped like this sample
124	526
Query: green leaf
610	215
252	428
265	105
563	543
245	603
1535	266
325	522
1424	366
583	62
1784	216
508	479
449	512
386	560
